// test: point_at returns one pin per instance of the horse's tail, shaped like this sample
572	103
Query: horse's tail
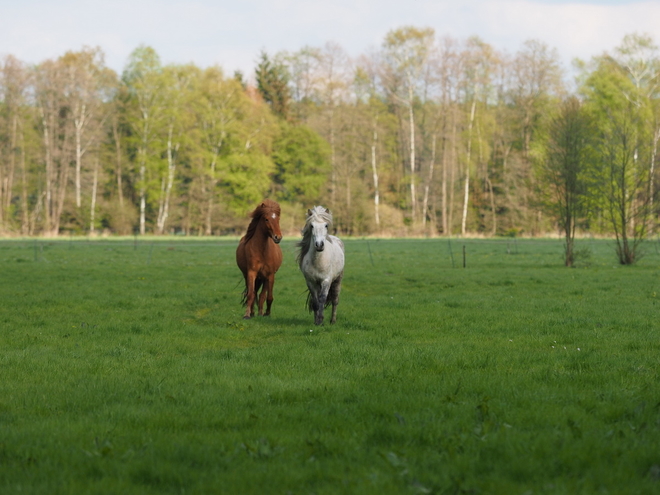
310	302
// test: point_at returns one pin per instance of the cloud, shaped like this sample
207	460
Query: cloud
231	34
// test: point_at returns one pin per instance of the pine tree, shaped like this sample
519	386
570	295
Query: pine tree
272	83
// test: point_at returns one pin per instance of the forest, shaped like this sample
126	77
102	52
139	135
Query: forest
423	136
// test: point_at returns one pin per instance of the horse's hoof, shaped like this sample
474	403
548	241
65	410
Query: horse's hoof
247	317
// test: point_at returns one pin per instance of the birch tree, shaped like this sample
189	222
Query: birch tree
639	56
57	138
145	116
622	149
89	86
379	123
405	52
14	118
221	106
179	90
478	66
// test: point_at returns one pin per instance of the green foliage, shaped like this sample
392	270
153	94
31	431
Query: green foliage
623	158
435	133
272	81
302	159
127	368
565	169
247	179
142	63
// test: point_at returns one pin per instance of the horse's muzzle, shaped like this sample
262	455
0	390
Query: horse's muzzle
277	238
319	247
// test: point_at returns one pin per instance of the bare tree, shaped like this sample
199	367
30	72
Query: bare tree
536	85
406	51
88	85
14	85
57	135
478	67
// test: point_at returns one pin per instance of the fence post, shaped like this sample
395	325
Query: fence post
451	253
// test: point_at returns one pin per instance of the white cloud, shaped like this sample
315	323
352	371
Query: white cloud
231	34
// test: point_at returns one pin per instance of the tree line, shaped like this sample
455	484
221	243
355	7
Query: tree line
424	135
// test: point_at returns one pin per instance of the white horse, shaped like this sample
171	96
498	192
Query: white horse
321	259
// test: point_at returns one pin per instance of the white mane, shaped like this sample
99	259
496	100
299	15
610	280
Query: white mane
314	215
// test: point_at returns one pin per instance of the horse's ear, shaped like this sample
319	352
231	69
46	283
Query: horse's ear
327	211
309	213
262	205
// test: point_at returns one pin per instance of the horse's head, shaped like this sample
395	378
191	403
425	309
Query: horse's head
270	218
318	221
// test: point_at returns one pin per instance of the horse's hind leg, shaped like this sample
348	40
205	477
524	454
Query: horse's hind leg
262	299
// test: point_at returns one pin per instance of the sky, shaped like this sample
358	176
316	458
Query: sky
232	34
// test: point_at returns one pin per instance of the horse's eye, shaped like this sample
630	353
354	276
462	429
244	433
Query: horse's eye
326	225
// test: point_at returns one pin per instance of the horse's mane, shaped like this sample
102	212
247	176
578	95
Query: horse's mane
266	207
316	214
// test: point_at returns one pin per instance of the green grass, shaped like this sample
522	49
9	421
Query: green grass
127	368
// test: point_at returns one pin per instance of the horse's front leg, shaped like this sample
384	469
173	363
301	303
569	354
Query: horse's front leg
269	300
250	282
322	298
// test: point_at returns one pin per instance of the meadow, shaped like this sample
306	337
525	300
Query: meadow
126	367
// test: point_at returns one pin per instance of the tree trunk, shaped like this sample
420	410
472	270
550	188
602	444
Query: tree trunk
452	177
118	167
9	179
171	168
143	173
466	193
656	138
374	171
25	218
61	195
211	193
492	205
49	170
79	123
92	210
411	118
333	160
428	184
143	198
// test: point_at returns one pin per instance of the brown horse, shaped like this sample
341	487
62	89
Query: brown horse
259	256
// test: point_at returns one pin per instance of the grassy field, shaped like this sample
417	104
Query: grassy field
127	368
